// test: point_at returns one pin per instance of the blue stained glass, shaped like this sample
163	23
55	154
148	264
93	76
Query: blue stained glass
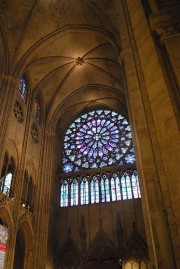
76	169
78	162
92	113
118	190
66	145
114	128
68	151
69	132
120	117
94	165
72	157
130	158
23	88
78	120
68	168
99	144
128	186
98	134
104	141
127	143
84	194
83	131
107	123
115	140
72	125
102	164
74	193
84	116
94	186
125	121
85	127
95	145
102	191
100	153
118	156
129	135
102	123
123	185
107	190
90	153
123	150
114	113
66	138
113	189
64	194
111	125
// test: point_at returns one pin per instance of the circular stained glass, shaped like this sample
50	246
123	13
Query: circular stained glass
97	139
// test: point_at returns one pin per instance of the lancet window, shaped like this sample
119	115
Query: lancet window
23	88
6	178
37	110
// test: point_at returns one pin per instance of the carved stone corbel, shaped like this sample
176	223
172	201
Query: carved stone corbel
165	25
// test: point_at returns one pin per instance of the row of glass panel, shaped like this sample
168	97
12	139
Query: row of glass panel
99	188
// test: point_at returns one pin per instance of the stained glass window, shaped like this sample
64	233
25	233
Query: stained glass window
74	192
105	191
135	185
23	88
123	186
94	190
84	192
64	194
37	110
97	139
115	187
6	177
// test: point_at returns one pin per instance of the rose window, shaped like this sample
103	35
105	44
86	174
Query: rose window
97	139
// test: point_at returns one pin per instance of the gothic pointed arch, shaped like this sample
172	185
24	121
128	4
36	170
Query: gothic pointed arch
101	248
68	255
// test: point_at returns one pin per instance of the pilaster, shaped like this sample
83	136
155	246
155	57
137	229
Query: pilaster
141	66
42	202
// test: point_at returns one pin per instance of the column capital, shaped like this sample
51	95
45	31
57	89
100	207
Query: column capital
165	25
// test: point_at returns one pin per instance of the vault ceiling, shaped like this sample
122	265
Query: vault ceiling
63	46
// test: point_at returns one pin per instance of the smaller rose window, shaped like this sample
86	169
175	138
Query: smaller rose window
18	111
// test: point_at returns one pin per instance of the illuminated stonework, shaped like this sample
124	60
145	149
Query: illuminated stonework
79	61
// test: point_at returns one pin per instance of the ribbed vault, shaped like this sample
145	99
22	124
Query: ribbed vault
63	46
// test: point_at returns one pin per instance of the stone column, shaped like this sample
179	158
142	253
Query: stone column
147	99
42	202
